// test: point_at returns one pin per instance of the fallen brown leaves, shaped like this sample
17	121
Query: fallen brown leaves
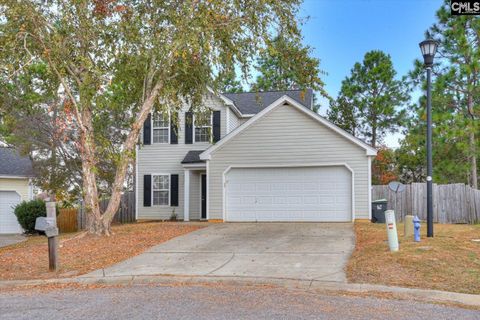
83	253
450	261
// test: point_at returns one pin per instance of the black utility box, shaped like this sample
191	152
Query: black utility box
378	210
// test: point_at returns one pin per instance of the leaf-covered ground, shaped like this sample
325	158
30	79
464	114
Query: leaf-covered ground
81	253
450	261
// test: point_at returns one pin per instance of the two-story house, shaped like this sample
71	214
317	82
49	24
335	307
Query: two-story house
257	157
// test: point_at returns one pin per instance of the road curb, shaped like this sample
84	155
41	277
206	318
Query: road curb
310	285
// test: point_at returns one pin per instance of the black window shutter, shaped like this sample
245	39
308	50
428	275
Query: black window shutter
147	130
188	128
173	130
216	126
147	190
174	190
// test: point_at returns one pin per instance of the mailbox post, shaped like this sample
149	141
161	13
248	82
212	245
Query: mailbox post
49	226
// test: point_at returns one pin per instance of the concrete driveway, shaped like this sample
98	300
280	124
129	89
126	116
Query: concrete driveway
306	251
8	239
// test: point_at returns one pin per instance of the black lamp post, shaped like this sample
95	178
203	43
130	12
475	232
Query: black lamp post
429	48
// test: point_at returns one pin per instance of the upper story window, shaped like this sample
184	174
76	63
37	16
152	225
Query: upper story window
160	127
203	129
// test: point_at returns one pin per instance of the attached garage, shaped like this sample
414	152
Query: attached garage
287	163
8	220
317	193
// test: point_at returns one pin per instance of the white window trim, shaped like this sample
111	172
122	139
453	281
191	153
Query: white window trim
210	126
169	189
153	129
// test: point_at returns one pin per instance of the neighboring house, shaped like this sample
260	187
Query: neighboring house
262	157
15	186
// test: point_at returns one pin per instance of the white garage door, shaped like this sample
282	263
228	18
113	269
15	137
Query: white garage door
289	194
8	220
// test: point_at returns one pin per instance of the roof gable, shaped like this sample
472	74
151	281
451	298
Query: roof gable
370	151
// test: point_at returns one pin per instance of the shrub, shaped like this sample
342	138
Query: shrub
28	211
173	216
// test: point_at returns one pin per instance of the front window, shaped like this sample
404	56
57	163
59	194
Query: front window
160	126
161	189
203	129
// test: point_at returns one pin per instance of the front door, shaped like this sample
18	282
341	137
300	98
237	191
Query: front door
204	196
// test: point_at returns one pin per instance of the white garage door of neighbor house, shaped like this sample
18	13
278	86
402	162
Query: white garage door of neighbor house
289	194
8	220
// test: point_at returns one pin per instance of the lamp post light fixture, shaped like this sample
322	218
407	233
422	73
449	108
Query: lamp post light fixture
429	48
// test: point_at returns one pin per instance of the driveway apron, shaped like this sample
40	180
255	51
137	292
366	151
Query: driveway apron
303	251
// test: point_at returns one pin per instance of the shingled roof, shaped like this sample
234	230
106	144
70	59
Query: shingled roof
254	102
193	156
12	164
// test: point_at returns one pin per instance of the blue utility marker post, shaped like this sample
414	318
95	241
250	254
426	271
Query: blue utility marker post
416	229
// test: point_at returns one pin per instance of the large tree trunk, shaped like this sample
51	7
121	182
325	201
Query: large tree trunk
472	144
87	152
374	137
98	223
473	160
126	158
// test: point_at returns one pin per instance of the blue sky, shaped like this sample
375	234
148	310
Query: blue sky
342	31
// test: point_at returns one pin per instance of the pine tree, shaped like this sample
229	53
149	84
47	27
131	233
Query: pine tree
286	64
459	55
369	100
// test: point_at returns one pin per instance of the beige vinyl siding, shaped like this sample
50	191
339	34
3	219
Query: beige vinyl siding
20	186
243	120
165	158
232	121
287	136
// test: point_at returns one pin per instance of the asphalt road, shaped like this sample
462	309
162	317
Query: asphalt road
212	302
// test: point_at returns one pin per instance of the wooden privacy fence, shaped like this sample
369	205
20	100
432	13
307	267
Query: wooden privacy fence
125	213
67	220
452	203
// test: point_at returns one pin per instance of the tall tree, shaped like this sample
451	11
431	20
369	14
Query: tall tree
33	119
370	98
228	82
343	113
127	57
459	54
450	139
286	64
